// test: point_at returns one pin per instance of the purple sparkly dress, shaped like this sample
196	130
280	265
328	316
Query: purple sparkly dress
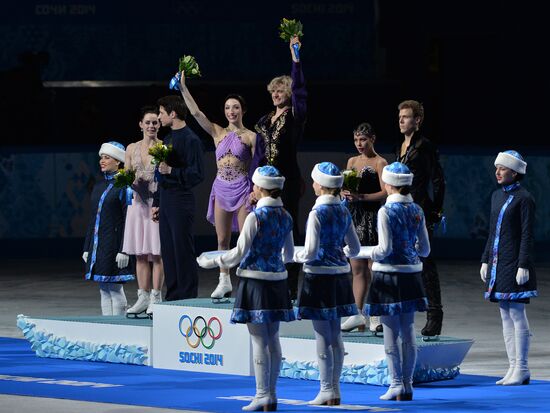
232	184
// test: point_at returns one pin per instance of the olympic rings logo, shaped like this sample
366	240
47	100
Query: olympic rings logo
202	330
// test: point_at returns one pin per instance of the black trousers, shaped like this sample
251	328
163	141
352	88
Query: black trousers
177	244
291	201
430	277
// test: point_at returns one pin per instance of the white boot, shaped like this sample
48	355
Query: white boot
141	304
521	374
106	303
262	400
224	288
154	298
393	360
118	298
338	356
275	371
326	396
357	321
409	351
510	344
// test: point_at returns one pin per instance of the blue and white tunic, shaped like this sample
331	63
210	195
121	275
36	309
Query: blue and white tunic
264	246
396	285
105	233
326	292
510	245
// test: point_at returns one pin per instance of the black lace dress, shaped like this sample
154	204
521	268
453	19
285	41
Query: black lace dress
364	213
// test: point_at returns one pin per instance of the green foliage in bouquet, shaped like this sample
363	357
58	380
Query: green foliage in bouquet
351	180
290	28
124	178
159	152
189	66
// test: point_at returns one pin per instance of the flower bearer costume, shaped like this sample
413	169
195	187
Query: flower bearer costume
326	293
396	291
507	266
262	300
105	262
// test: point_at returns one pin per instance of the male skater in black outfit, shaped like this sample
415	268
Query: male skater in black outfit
174	205
282	130
422	158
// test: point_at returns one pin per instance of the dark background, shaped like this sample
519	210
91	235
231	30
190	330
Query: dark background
478	67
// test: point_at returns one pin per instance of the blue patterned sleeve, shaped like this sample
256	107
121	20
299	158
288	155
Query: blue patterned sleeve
527	212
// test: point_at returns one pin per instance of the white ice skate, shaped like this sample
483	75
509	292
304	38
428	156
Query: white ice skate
154	298
140	307
375	327
354	322
223	290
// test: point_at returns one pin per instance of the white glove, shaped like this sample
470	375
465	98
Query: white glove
85	256
522	276
207	263
483	272
122	260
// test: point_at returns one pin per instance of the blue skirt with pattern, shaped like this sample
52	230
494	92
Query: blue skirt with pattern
262	301
325	297
392	293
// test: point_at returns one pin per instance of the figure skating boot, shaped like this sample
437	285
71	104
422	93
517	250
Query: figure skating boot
432	329
140	307
154	298
223	290
357	321
375	327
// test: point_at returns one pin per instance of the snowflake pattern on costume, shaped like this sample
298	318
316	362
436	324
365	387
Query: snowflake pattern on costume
265	253
405	219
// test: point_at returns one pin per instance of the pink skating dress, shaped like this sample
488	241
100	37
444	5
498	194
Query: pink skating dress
141	234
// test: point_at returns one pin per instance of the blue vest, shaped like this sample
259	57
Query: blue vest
335	220
405	220
274	224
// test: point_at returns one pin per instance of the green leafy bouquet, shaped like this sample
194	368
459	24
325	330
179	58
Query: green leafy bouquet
290	28
124	177
189	66
160	152
351	180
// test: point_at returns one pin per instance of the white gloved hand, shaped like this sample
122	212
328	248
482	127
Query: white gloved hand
122	260
207	263
85	256
522	276
483	272
346	251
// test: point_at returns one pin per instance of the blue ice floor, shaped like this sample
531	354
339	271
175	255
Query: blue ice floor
23	373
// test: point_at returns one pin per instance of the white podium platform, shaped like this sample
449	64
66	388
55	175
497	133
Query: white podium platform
196	335
114	339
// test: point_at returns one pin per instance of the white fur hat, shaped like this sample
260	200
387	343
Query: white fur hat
268	177
327	174
397	174
512	160
114	150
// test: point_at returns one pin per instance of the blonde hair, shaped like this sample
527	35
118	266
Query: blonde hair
285	82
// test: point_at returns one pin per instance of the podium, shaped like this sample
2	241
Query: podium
196	335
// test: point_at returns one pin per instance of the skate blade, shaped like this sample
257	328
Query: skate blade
135	316
430	338
223	300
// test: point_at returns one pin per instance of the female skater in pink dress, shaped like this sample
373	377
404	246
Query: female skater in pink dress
141	234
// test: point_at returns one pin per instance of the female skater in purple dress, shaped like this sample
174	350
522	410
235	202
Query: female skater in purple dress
236	157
